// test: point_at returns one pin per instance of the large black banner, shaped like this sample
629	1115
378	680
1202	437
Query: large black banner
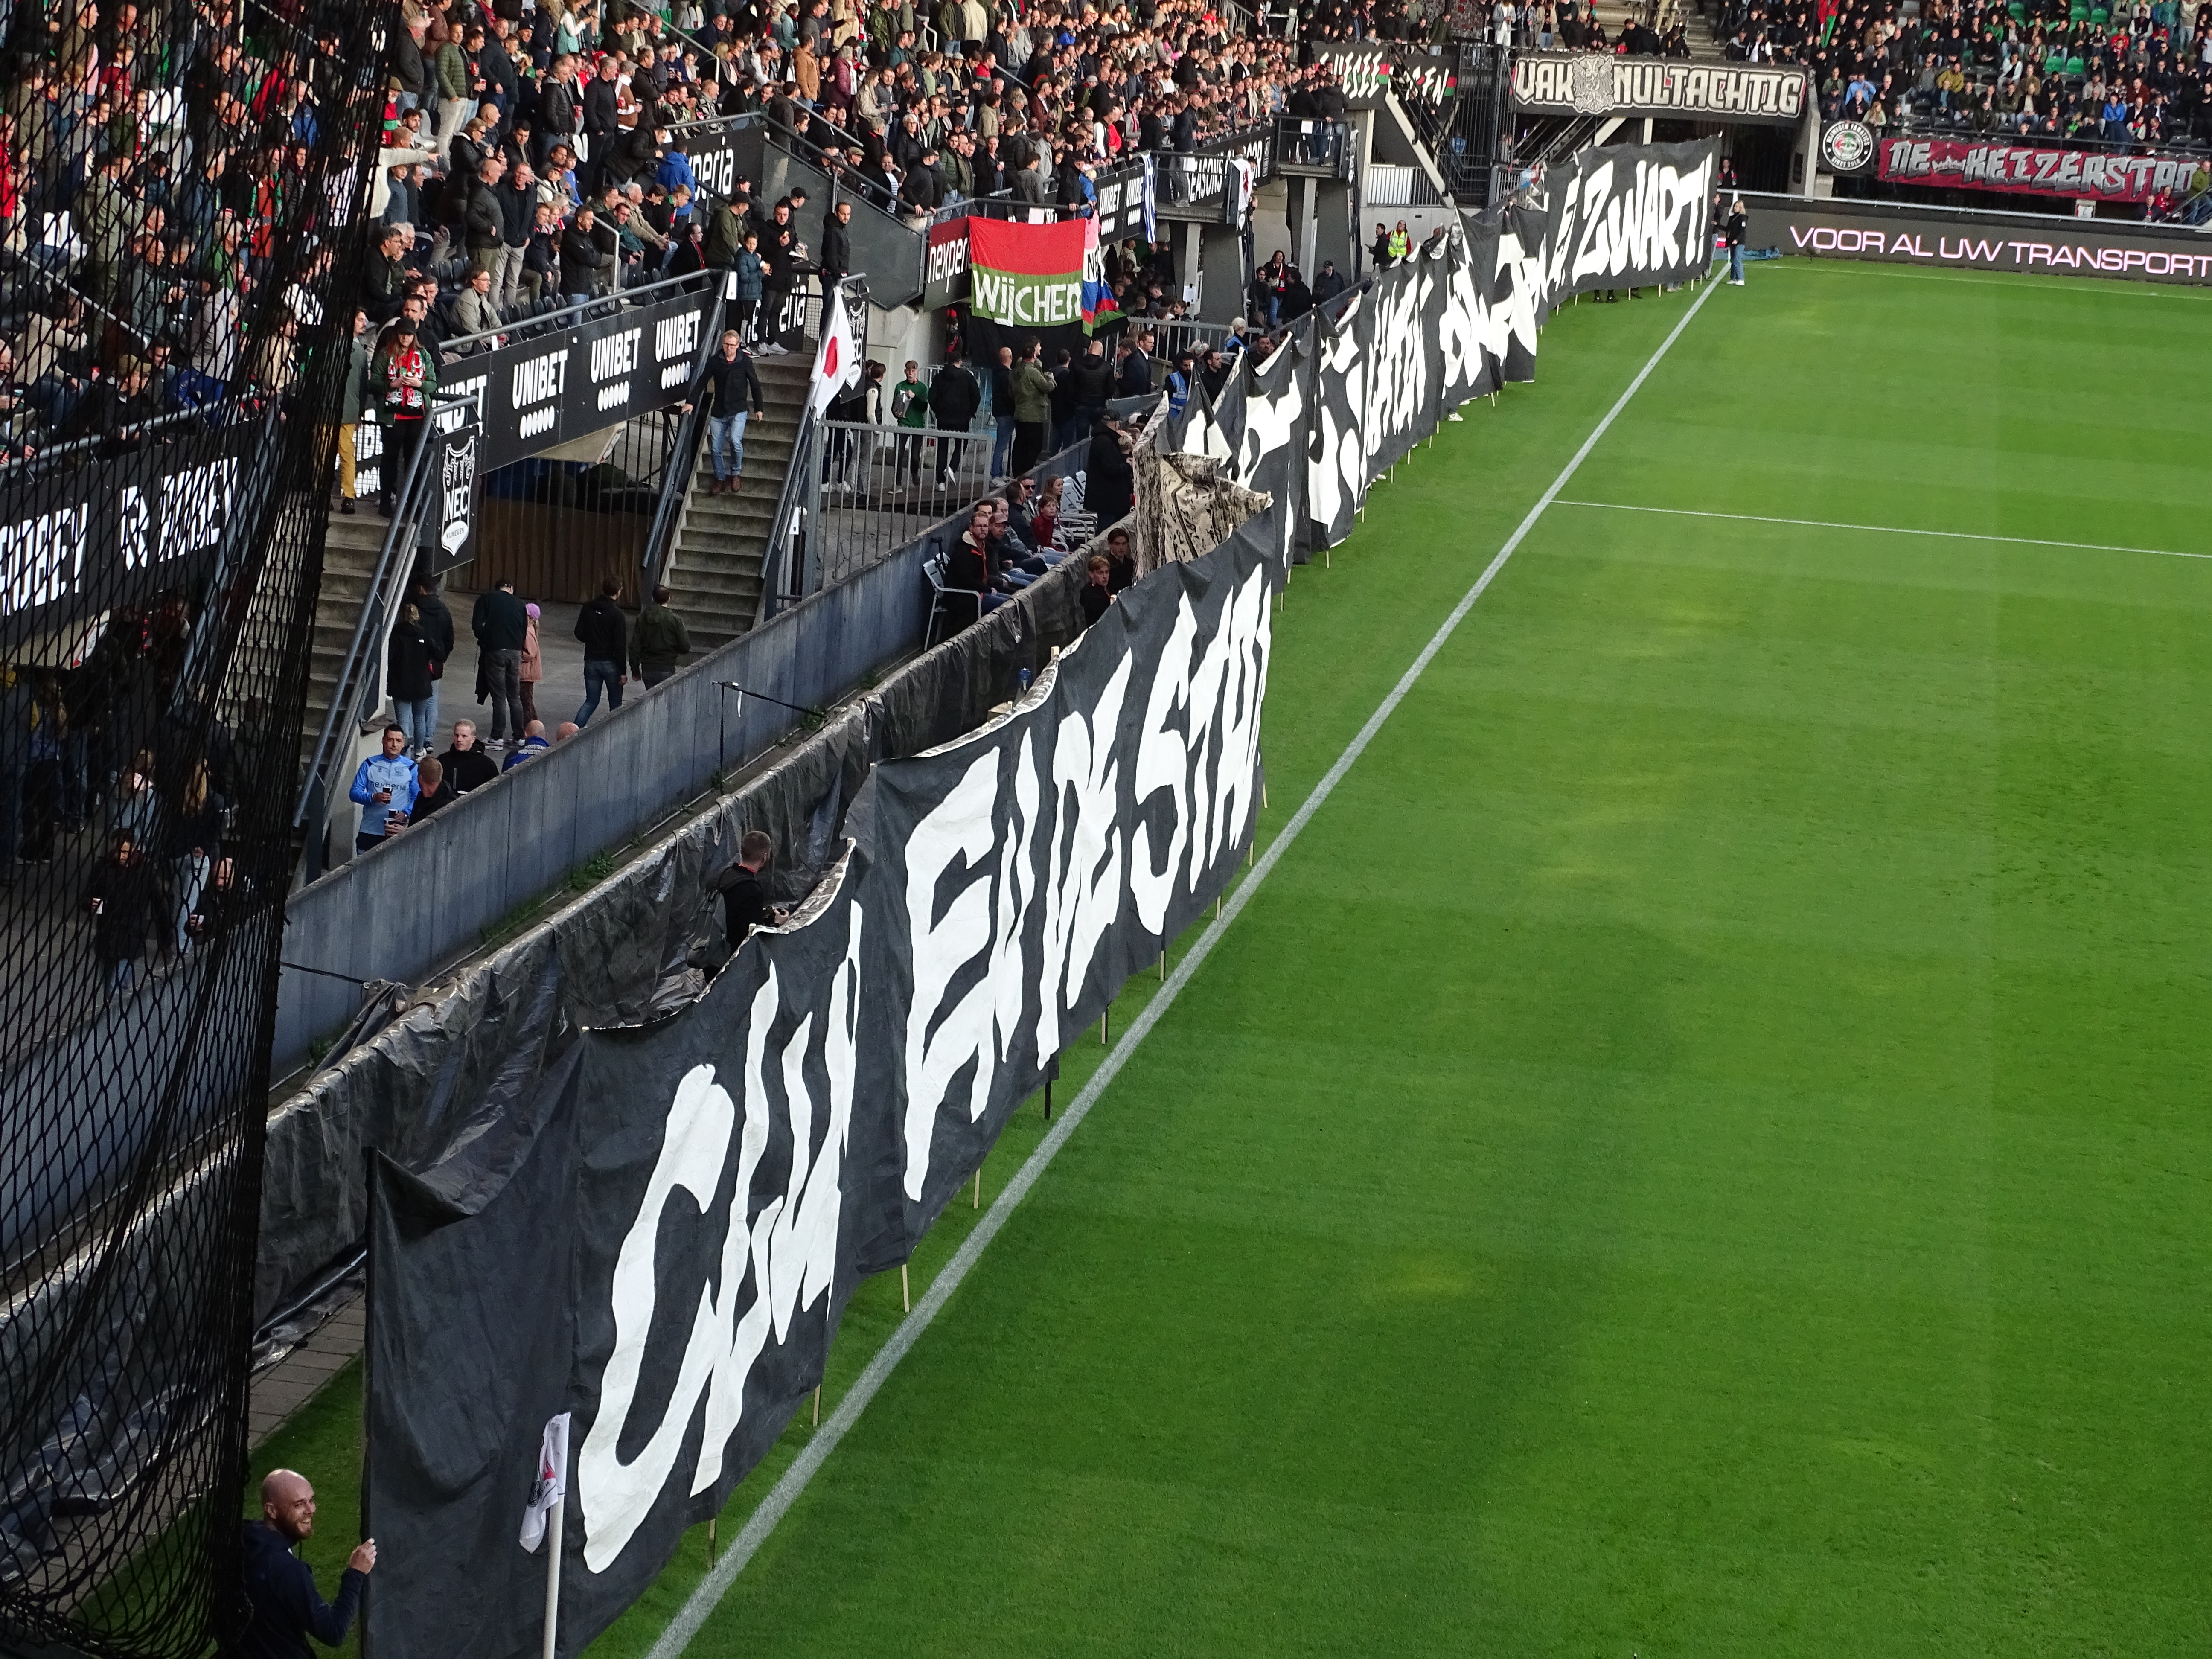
674	1227
670	1257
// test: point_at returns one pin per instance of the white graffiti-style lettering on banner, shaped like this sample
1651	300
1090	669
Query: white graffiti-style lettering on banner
778	1258
1615	221
1046	859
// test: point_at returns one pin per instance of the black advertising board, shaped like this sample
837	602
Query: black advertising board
159	511
1914	235
552	389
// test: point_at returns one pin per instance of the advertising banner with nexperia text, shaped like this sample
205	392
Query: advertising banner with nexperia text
2034	169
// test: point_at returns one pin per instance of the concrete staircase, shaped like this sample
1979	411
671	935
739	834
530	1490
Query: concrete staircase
715	574
350	547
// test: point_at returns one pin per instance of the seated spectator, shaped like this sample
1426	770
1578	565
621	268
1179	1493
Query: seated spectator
467	765
1121	560
532	745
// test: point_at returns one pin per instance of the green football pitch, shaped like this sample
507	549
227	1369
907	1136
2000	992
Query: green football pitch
1701	1145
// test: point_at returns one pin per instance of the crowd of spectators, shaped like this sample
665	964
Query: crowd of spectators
542	157
148	151
2136	74
1652	28
118	785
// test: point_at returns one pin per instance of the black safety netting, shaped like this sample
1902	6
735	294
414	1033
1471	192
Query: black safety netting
182	207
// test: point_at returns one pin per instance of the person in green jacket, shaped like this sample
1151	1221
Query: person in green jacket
351	406
911	409
656	641
1032	407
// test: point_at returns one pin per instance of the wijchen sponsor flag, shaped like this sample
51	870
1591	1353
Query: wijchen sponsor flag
1026	276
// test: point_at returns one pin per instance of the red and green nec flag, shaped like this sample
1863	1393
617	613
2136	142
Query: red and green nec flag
1027	276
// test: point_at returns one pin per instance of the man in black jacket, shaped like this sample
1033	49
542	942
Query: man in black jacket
1090	384
584	263
723	380
745	895
467	765
502	629
1136	378
602	626
517	196
280	1588
1328	284
836	248
954	398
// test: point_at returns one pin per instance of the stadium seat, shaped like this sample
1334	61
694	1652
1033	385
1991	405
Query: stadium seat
2100	15
2075	66
2078	12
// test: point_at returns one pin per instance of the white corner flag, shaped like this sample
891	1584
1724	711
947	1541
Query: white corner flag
837	361
552	1483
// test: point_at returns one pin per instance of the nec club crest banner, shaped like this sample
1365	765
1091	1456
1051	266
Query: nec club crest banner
1027	277
2035	170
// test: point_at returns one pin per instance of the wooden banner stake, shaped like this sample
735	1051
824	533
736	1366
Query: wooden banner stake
817	1405
979	1191
711	1521
906	1294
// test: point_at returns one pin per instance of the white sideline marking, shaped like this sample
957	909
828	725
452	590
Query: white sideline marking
703	1600
1887	529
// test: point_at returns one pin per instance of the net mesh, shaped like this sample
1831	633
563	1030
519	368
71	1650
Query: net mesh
183	209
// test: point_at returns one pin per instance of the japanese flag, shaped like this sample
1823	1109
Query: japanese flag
837	363
551	1487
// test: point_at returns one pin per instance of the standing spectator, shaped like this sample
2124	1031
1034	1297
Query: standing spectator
1033	391
412	662
435	793
467	765
836	248
744	896
42	775
280	1588
195	843
954	398
1382	248
1002	415
723	380
438	628
403	378
1109	485
910	409
502	629
1736	222
601	626
121	896
383	788
659	640
349	409
532	667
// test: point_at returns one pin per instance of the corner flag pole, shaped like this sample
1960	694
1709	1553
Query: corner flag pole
553	1576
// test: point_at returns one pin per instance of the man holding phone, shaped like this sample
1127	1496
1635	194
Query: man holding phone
385	789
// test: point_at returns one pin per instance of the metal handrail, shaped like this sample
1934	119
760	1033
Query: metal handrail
797	486
346	694
552	322
681	459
